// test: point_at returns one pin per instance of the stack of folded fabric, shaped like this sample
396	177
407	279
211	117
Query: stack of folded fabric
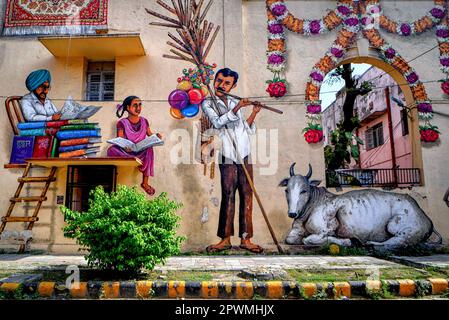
78	140
64	138
41	136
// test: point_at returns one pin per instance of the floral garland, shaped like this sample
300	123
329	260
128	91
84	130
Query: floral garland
279	18
346	37
325	65
432	18
346	14
428	131
443	43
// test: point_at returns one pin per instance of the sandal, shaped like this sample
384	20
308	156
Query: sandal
254	248
148	189
213	248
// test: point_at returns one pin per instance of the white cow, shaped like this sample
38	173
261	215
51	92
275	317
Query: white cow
370	216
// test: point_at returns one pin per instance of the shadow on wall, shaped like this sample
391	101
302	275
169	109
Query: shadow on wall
2	16
2	53
194	193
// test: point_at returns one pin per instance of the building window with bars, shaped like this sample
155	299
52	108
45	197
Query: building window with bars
81	180
100	79
374	136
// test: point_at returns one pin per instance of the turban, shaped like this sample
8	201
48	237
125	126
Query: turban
36	78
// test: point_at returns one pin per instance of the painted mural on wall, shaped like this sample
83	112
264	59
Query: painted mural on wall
372	217
43	131
354	17
221	112
135	139
34	17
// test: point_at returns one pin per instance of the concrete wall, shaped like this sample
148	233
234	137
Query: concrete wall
242	48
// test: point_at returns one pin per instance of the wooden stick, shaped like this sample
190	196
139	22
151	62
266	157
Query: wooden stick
210	43
178	12
177	47
200	42
161	24
262	105
189	10
176	40
206	10
198	10
166	6
203	37
186	12
192	47
190	39
173	57
212	170
161	16
182	56
181	11
183	38
209	30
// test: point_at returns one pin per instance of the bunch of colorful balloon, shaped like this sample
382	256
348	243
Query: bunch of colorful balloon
190	92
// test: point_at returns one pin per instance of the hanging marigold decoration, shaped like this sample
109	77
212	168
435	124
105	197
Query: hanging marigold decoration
352	17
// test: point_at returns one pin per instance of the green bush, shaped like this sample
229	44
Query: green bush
124	231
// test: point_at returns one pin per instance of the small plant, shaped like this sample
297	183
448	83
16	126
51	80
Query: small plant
123	231
18	294
446	294
383	293
422	288
374	294
386	294
257	296
321	294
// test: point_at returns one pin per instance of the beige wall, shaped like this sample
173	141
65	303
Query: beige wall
152	78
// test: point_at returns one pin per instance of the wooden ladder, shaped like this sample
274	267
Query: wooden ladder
16	198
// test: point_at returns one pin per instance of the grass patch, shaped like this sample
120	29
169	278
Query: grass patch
98	275
5	273
317	275
300	275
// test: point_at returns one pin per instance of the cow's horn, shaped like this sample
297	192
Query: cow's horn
309	174
292	169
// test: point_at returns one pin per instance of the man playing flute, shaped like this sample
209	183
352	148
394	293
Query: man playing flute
232	174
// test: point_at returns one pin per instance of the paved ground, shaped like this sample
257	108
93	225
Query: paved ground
211	263
438	260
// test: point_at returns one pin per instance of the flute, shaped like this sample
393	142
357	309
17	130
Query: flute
261	105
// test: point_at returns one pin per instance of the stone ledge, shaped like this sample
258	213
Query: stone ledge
224	290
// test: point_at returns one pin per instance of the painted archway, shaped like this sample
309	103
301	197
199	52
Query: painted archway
353	56
353	17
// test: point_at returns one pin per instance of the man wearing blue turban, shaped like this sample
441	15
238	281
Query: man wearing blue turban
35	105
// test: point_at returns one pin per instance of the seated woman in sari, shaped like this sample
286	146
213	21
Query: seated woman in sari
135	128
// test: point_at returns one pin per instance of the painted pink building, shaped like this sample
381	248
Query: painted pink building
378	152
378	124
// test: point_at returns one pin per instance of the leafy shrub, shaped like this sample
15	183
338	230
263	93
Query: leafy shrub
124	231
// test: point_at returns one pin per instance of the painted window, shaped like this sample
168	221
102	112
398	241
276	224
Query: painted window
404	122
100	79
82	179
374	136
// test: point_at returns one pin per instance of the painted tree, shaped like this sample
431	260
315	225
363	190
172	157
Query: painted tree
343	142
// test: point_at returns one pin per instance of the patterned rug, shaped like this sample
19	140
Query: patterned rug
47	17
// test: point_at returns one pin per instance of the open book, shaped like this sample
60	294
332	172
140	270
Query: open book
73	110
151	141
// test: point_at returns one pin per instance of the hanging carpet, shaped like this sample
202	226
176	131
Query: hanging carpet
53	17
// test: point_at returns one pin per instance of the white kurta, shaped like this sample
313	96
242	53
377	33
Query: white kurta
237	125
34	110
